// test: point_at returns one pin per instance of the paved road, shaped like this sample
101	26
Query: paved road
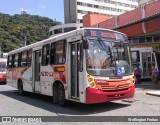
12	104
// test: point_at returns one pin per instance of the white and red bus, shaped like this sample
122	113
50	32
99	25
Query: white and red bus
88	65
3	65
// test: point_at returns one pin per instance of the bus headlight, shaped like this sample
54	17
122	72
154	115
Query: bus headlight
91	82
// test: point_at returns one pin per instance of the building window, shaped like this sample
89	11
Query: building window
142	40
96	6
84	4
79	3
89	5
148	39
157	39
135	40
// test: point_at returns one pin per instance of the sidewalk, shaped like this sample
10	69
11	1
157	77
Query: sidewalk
152	89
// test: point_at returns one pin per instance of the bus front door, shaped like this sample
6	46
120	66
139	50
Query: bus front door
74	64
36	71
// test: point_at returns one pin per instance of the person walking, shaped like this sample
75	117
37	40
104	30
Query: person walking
137	72
154	74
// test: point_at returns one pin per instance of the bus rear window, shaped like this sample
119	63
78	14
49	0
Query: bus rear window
2	66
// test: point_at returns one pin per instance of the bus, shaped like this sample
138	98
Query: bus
3	66
145	57
87	65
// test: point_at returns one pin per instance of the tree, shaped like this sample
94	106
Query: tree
18	28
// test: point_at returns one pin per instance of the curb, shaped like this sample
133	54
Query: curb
154	93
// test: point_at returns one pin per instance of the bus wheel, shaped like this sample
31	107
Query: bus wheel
61	95
55	95
20	88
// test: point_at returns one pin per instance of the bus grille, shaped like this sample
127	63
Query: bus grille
113	85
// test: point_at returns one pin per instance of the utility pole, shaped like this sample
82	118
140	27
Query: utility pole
25	39
24	34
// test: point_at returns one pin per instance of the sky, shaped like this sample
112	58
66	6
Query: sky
47	8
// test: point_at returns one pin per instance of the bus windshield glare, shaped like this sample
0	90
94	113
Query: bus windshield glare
108	58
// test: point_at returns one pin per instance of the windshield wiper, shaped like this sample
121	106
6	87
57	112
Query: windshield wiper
109	49
99	40
110	54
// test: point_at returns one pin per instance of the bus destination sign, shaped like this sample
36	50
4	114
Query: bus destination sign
103	34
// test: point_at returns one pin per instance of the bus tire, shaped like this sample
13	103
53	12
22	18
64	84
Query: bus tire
55	93
20	88
61	95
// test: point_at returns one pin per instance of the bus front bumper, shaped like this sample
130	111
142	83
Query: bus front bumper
97	96
2	80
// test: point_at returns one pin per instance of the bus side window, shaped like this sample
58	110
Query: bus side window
9	62
45	54
24	58
15	61
12	63
19	61
58	53
29	60
52	53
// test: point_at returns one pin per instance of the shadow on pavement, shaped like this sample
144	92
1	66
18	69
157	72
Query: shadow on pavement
73	108
147	84
2	83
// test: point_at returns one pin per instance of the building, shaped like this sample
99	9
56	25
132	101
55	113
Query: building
74	10
143	2
141	25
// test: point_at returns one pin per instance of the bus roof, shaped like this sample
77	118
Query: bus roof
60	37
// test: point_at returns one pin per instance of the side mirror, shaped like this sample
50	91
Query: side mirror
85	44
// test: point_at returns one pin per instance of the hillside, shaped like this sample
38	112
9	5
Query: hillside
15	29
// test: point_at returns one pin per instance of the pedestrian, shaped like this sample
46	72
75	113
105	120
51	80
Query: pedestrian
137	72
154	74
135	68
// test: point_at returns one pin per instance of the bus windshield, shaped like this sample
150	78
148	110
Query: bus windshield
108	58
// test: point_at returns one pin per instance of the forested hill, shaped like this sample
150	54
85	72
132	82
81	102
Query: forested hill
15	29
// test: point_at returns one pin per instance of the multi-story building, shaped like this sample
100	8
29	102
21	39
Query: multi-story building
74	10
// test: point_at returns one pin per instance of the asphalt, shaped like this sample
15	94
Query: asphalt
154	88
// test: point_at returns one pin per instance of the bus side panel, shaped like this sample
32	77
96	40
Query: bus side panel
83	80
26	76
47	80
9	77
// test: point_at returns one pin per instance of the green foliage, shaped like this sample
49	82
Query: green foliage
14	29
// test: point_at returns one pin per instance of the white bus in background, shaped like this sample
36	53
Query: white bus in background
145	57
